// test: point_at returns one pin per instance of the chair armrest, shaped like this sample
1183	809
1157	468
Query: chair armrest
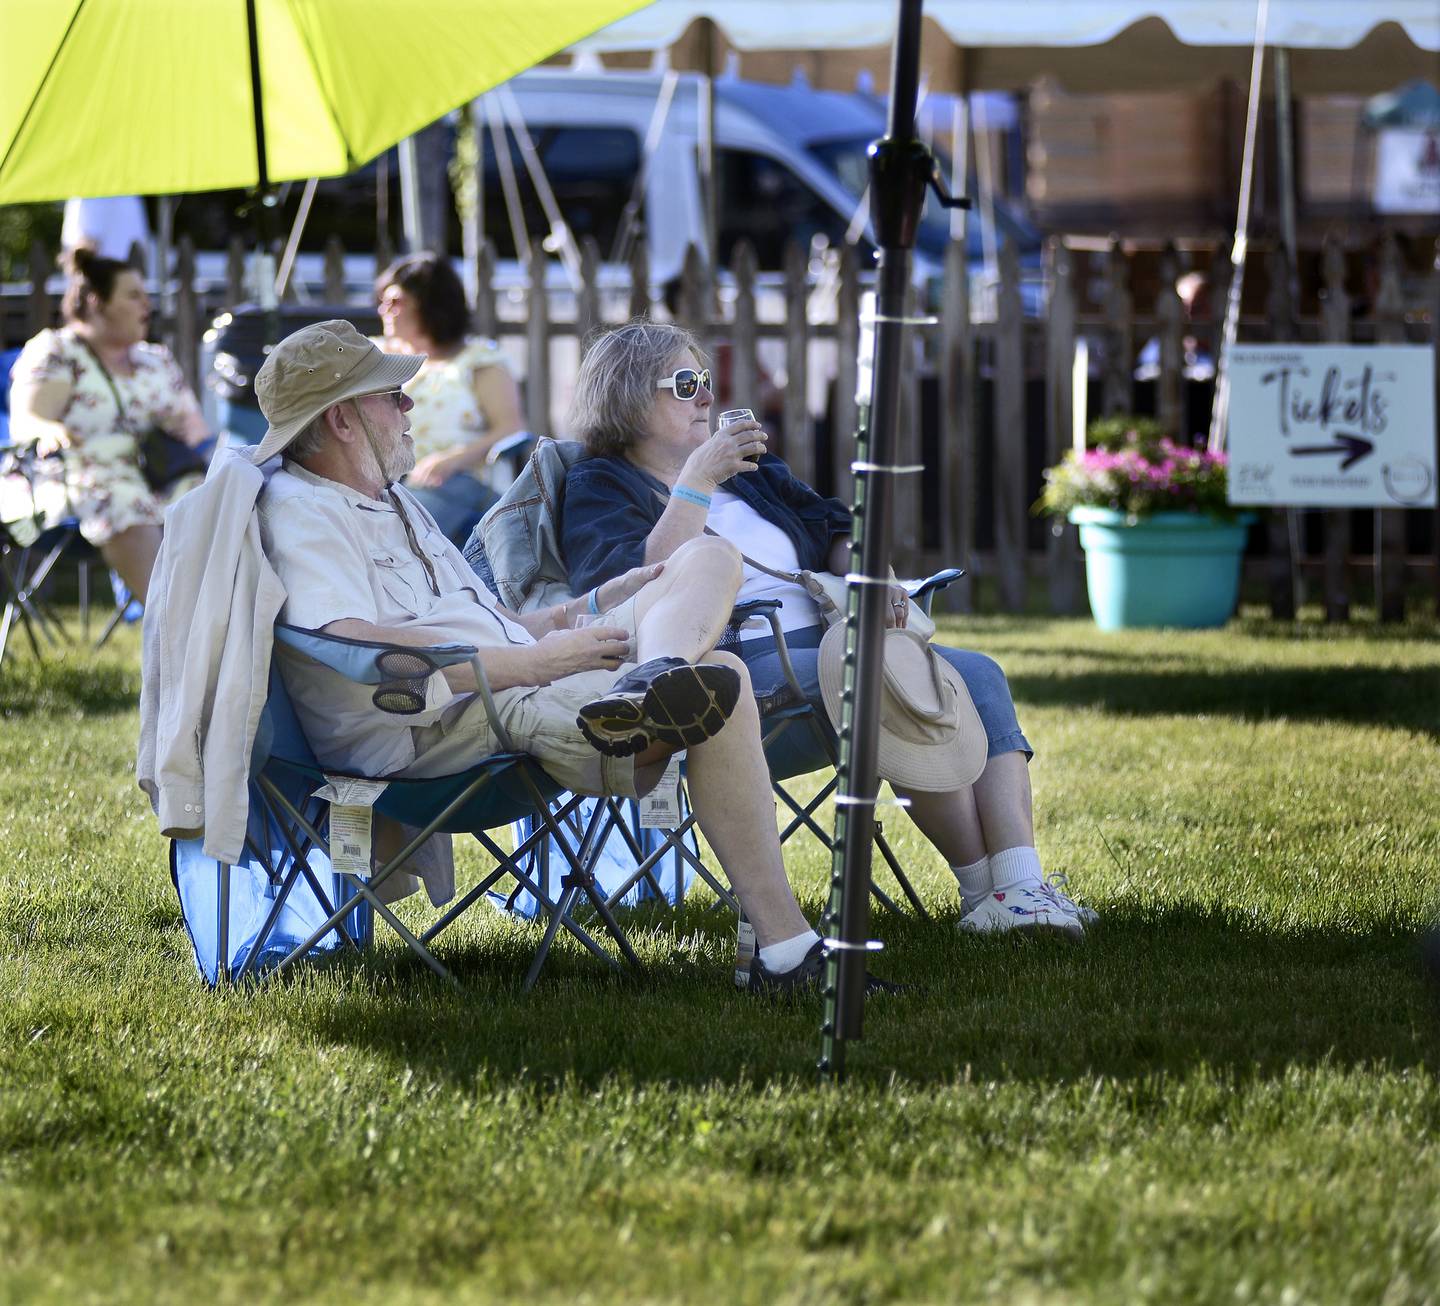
753	608
770	610
511	444
396	692
356	659
923	593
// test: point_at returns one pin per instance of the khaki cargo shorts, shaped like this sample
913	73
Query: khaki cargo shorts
541	722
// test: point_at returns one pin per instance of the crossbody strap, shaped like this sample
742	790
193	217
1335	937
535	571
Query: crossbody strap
793	577
110	381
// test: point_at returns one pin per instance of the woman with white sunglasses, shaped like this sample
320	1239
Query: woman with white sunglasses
658	477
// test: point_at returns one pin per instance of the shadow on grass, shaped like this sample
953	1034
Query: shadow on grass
30	688
1405	697
1151	992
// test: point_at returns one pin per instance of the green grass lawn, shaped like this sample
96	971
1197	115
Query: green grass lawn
1228	1093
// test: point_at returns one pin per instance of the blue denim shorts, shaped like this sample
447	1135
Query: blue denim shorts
797	751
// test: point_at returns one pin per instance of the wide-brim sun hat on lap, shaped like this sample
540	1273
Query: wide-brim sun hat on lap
931	737
315	367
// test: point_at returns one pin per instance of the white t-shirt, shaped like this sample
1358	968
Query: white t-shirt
735	520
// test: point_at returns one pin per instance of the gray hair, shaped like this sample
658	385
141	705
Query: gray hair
310	440
616	383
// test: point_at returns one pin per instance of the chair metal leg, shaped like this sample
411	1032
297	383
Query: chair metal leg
222	959
116	618
552	927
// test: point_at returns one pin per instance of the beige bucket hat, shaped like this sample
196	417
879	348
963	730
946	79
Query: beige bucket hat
931	737
315	367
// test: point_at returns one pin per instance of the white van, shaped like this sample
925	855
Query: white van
790	165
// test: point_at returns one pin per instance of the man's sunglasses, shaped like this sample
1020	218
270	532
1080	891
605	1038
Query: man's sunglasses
396	395
686	382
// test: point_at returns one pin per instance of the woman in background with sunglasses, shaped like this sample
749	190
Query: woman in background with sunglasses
657	478
466	401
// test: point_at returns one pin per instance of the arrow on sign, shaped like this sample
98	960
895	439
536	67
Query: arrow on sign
1354	447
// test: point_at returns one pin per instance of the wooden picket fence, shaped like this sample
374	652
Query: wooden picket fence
986	405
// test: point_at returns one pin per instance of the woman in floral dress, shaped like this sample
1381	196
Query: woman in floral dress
466	401
61	402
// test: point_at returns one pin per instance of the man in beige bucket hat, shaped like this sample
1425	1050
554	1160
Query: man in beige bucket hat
360	558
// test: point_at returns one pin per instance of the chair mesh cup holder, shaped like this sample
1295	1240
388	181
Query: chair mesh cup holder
402	688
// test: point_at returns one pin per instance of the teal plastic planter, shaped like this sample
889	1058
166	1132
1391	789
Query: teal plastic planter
1170	569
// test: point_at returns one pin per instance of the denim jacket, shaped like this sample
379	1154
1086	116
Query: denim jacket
611	506
516	547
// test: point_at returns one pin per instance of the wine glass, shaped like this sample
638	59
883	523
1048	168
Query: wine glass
732	415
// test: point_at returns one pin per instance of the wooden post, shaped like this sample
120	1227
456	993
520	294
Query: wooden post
1062	548
384	250
235	271
1219	295
639	277
39	311
1335	328
1281	524
587	305
1170	328
334	271
485	316
1118	389
537	344
690	299
957	428
798	444
847	372
1390	522
1010	505
186	344
744	362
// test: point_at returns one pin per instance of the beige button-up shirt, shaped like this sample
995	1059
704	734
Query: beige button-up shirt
341	554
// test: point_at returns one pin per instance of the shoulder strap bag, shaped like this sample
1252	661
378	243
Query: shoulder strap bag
162	458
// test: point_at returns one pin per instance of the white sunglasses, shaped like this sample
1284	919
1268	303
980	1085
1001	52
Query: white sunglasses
686	382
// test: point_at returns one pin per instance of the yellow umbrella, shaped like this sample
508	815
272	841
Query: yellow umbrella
109	97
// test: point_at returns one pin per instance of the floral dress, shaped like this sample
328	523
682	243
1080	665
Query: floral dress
98	480
446	414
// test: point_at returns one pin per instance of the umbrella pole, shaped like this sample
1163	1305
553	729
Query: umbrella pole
900	169
263	204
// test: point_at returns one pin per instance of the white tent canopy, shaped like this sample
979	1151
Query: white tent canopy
1338	46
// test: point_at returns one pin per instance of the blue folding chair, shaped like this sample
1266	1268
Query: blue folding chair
496	791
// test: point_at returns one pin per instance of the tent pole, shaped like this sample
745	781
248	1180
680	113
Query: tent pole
900	169
1220	412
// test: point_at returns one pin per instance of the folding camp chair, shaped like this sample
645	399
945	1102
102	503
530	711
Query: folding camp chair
496	791
799	740
549	463
818	742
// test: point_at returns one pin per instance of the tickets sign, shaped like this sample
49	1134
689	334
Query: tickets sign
1332	426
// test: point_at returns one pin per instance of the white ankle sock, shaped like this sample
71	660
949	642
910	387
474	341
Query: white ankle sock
974	882
788	953
1015	867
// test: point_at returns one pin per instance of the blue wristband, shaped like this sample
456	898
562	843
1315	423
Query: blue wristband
686	495
593	602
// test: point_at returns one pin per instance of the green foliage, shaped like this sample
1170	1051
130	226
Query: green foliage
20	224
1228	1093
1125	430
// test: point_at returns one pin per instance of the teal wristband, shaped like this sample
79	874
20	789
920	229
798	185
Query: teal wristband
593	602
686	495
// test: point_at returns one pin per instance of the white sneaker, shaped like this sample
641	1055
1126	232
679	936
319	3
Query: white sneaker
1019	909
1054	889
